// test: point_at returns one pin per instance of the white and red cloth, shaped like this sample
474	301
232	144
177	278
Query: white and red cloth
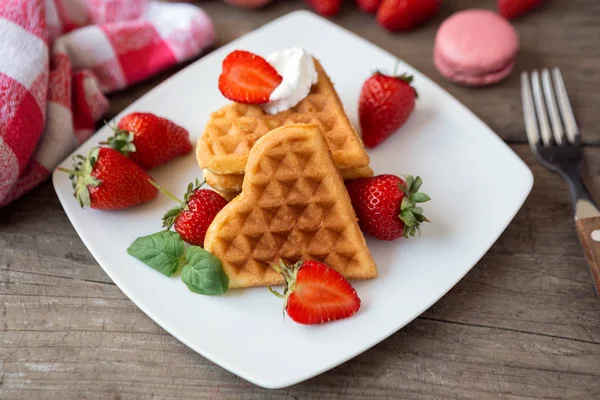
58	57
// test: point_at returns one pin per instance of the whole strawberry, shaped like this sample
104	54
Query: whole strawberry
386	205
385	103
404	15
149	140
316	293
327	8
195	213
515	8
107	180
368	6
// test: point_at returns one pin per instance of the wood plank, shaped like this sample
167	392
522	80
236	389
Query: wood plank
427	359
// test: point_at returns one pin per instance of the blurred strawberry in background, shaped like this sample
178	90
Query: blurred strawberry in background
249	4
405	15
326	8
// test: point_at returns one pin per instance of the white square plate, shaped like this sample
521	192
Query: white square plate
476	182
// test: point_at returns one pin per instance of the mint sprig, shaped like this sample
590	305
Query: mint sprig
165	252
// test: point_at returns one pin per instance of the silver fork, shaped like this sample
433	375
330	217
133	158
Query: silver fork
555	140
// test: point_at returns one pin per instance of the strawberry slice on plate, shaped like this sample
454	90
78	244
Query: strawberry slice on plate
316	293
248	78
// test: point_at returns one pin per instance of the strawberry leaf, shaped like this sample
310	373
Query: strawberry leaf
203	273
83	168
163	251
406	204
410	214
405	77
122	141
191	188
408	179
408	218
416	185
170	216
419	198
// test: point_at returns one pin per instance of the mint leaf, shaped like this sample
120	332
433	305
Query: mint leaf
203	274
161	251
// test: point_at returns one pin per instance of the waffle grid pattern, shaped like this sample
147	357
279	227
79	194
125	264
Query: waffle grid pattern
234	129
232	183
293	206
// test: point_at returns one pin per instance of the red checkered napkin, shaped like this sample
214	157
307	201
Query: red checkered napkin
58	57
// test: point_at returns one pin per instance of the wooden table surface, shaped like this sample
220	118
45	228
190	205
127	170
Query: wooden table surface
524	323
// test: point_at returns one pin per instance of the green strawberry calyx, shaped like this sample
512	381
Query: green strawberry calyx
410	213
81	176
406	78
121	140
290	273
171	215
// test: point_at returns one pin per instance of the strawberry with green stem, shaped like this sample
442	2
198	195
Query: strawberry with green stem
107	180
194	214
149	140
387	206
384	105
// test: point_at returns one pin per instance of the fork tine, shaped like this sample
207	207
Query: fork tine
557	128
540	108
565	106
531	127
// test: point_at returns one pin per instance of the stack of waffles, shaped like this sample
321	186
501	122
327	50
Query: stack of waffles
284	174
232	131
293	206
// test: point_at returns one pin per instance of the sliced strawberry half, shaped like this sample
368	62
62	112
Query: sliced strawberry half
248	78
316	293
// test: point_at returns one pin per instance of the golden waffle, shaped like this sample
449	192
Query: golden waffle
231	131
227	195
293	205
232	183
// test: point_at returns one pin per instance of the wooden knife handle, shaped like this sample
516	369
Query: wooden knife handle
589	234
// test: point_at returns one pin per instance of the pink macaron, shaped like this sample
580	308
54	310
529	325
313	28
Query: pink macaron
475	48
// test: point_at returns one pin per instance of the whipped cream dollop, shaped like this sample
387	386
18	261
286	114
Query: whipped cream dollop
297	68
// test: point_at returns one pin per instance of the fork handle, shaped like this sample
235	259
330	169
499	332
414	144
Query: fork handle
589	234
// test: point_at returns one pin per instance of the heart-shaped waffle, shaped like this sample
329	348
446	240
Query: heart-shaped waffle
293	206
231	131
